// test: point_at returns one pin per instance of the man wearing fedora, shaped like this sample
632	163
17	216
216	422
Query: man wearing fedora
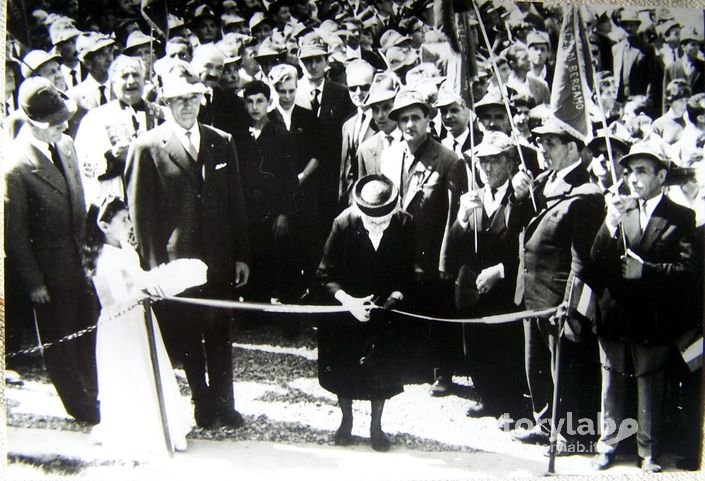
428	176
485	272
690	66
95	51
44	219
644	252
554	249
636	66
380	103
600	167
186	201
63	37
331	104
36	63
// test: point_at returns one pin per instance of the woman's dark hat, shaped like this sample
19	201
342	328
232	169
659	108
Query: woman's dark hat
375	195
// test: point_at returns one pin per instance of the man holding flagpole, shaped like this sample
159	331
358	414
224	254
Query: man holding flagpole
554	248
642	302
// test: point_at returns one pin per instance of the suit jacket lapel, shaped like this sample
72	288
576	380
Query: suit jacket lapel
430	168
205	152
631	228
73	179
45	169
177	153
654	228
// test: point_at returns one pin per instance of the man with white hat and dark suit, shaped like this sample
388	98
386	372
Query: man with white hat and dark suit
186	201
554	249
644	251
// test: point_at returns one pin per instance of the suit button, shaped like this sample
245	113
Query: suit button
198	196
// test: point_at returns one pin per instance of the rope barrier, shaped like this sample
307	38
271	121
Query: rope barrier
314	309
291	309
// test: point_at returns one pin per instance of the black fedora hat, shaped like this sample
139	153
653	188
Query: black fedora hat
375	195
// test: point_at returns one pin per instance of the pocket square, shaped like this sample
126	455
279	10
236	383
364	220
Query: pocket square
220	166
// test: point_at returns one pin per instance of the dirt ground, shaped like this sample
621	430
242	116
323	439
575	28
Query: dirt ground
290	422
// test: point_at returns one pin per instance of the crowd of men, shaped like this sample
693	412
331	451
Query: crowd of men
295	100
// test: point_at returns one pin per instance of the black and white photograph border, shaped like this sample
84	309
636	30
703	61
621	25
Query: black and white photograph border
290	419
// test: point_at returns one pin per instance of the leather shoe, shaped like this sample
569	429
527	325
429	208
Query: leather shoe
204	418
649	465
441	387
231	419
342	438
602	461
380	441
530	436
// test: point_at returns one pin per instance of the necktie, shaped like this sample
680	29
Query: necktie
389	139
74	77
315	103
643	218
190	148
102	100
135	124
56	159
493	193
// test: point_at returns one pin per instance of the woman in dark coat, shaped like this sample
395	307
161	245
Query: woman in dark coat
367	263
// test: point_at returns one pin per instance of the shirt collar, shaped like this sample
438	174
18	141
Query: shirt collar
650	204
43	147
180	133
561	174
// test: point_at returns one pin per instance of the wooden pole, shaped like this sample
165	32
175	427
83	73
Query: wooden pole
149	324
505	100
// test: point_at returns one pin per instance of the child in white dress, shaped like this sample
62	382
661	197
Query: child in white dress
130	417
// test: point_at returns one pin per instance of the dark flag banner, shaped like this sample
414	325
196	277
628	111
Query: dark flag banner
573	81
156	12
17	22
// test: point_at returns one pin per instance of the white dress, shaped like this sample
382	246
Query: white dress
129	406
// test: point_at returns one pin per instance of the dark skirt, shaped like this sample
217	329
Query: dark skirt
360	360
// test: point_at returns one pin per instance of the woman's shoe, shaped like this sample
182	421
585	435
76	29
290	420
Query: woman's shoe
342	437
380	441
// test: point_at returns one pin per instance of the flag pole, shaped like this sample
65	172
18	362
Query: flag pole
505	100
608	141
553	438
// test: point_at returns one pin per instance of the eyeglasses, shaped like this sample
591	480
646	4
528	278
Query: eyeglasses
364	88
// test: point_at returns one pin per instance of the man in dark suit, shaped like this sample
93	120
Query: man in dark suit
636	67
303	138
221	108
455	116
486	270
44	221
427	175
331	104
689	67
554	248
186	201
356	129
380	102
95	51
642	300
